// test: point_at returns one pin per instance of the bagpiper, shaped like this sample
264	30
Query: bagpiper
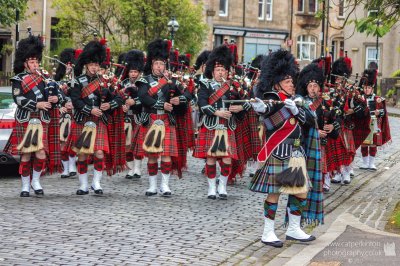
65	75
379	130
216	138
34	99
93	100
310	84
284	168
162	97
134	64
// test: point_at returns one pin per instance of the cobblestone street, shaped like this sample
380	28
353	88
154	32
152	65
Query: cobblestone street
125	227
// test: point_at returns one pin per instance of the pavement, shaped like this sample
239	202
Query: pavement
124	227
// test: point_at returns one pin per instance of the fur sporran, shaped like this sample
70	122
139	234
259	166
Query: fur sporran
33	137
65	127
87	139
220	143
154	139
128	131
294	180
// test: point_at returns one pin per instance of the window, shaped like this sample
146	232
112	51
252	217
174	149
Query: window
55	36
341	8
223	8
265	9
306	47
337	46
312	6
300	6
370	56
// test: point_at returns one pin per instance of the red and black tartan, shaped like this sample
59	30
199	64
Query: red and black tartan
339	155
135	136
30	81
170	146
243	145
361	130
101	142
185	140
256	144
54	165
204	141
115	160
18	133
324	166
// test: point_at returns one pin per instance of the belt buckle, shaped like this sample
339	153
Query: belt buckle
296	143
160	112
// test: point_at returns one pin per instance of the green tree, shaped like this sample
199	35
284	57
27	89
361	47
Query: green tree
131	24
8	11
383	15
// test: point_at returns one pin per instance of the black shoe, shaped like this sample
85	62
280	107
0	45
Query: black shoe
251	175
351	175
213	197
65	176
166	194
24	194
129	176
346	182
81	192
97	191
275	244
72	174
223	196
203	171
136	176
148	193
335	181
311	238
326	190
39	192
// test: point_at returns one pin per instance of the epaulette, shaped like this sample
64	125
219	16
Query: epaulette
16	78
141	80
380	99
83	79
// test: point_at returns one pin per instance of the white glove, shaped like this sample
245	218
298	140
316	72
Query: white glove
259	106
291	105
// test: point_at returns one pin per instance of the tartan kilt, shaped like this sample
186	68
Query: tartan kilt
18	133
324	167
256	144
338	154
204	141
170	146
264	180
101	142
243	140
135	136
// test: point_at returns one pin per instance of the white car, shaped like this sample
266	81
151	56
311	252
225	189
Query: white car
7	123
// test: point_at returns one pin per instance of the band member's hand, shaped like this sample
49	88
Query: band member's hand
130	102
322	133
96	112
349	112
63	110
52	99
258	105
174	101
291	105
168	107
235	108
377	112
166	74
223	114
69	105
125	108
43	105
105	106
328	128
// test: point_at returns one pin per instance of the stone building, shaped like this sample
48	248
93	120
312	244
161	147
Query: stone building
40	19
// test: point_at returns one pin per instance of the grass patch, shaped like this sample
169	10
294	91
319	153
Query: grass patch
393	225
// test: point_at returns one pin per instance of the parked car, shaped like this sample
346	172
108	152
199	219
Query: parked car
7	123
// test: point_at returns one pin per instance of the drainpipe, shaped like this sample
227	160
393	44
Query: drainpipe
244	25
291	26
44	20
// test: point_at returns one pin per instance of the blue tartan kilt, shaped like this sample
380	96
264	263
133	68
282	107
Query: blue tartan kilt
264	180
